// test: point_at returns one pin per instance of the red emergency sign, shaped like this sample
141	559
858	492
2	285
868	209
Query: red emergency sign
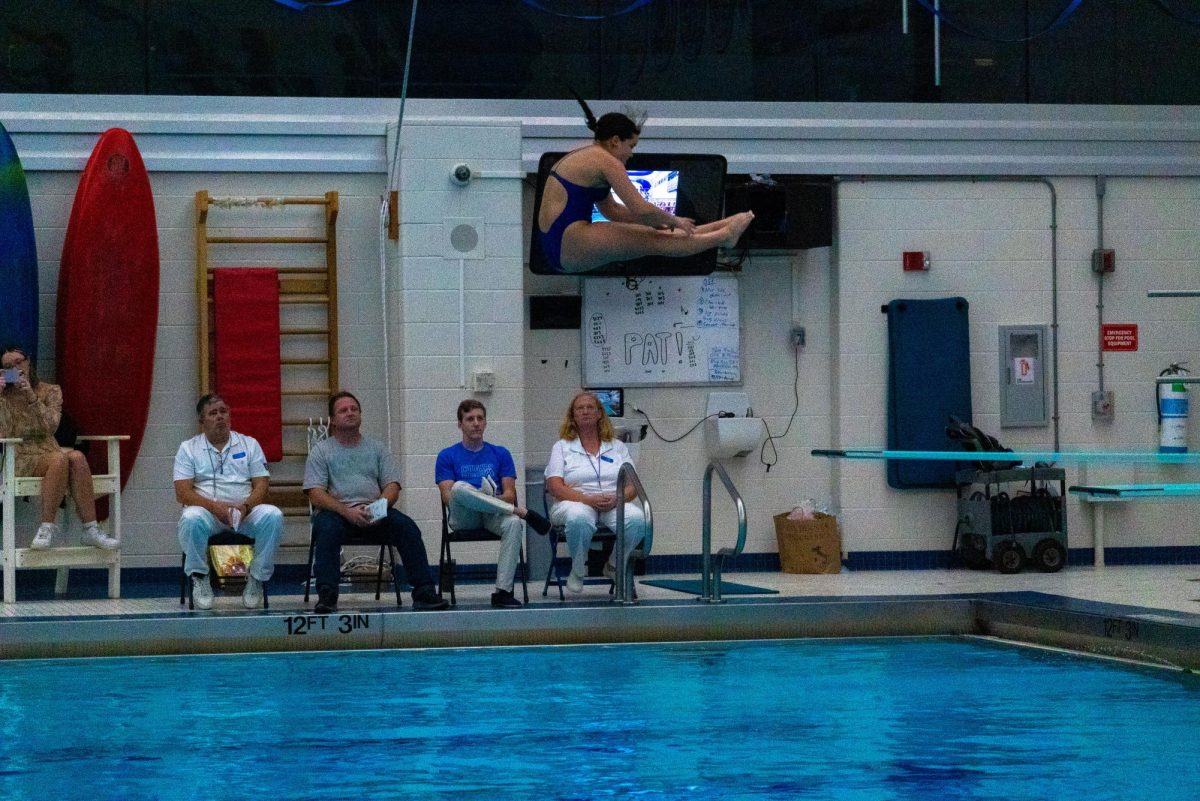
1119	336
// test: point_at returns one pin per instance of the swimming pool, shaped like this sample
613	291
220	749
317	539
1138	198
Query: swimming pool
945	718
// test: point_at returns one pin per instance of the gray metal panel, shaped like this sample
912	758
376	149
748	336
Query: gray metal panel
537	546
1023	405
550	623
1134	632
1127	632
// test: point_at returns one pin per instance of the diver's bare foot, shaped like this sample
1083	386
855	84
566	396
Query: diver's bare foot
738	224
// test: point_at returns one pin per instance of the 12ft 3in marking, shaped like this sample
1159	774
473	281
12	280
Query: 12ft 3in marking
314	624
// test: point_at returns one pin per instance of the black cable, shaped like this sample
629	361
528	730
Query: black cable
762	452
684	434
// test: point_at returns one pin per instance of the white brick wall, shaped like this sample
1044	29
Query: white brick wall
989	241
426	386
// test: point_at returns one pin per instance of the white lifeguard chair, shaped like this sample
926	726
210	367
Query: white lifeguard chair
62	557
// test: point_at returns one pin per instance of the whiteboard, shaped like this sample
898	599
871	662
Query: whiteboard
661	330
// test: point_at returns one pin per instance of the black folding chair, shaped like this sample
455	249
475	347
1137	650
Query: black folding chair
446	562
220	538
604	538
375	535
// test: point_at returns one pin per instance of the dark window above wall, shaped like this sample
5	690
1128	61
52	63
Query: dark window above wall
1128	52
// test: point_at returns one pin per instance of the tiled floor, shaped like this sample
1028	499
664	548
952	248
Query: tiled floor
1167	588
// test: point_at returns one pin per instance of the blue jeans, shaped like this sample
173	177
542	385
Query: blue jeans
329	532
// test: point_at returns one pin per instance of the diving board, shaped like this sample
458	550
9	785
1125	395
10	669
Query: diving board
1125	492
1124	457
1098	495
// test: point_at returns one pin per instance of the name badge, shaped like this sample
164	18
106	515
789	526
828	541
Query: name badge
606	459
241	455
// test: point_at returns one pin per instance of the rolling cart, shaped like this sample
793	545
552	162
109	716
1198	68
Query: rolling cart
1009	516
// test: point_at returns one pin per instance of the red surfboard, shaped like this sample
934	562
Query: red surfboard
108	298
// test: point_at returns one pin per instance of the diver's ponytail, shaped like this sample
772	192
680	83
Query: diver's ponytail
587	112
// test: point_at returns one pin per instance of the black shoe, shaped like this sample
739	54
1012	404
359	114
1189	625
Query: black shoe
426	600
326	601
540	524
504	599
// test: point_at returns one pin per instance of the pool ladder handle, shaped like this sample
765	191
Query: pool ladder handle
710	579
623	593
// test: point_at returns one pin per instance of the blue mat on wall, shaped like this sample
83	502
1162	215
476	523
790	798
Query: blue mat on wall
929	379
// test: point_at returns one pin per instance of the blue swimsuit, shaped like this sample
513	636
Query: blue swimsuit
580	200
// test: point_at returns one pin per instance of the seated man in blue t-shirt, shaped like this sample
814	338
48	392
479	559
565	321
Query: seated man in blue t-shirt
478	482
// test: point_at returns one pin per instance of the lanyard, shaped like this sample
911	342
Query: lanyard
595	464
219	465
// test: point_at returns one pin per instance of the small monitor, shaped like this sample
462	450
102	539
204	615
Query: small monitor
612	399
659	187
685	184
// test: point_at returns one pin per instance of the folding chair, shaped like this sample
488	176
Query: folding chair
559	564
317	432
446	563
220	538
369	537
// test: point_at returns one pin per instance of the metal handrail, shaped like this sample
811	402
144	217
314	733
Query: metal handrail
623	581
710	579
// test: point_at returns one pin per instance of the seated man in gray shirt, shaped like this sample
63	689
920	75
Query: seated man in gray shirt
343	477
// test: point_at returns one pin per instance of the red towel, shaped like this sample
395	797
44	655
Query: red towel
247	352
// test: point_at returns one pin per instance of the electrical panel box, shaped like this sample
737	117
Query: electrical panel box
1023	367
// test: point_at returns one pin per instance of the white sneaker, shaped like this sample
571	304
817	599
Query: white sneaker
92	535
610	571
574	583
45	532
252	596
202	594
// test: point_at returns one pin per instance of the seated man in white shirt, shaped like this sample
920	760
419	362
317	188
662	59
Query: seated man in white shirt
221	479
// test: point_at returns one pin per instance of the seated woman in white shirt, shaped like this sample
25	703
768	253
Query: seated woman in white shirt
582	478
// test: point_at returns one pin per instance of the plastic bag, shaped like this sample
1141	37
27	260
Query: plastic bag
808	510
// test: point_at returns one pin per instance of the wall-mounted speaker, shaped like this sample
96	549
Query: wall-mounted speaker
795	212
462	238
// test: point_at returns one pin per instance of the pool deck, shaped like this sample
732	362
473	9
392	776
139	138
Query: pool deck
1150	613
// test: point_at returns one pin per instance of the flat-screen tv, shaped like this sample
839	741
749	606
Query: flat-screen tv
685	184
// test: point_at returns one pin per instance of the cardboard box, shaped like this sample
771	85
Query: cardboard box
809	546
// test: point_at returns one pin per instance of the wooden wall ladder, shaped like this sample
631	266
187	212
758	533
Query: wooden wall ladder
308	317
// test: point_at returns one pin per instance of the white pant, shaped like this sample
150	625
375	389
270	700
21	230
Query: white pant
264	525
580	522
471	508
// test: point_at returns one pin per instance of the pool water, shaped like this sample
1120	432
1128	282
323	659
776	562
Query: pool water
945	718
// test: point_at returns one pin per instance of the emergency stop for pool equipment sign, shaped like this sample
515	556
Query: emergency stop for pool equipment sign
1119	336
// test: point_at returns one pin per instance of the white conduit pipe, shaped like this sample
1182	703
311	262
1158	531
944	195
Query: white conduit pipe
383	302
462	323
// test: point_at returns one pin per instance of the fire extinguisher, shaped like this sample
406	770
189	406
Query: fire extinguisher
1172	412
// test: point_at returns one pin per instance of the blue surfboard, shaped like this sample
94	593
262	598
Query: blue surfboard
18	254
